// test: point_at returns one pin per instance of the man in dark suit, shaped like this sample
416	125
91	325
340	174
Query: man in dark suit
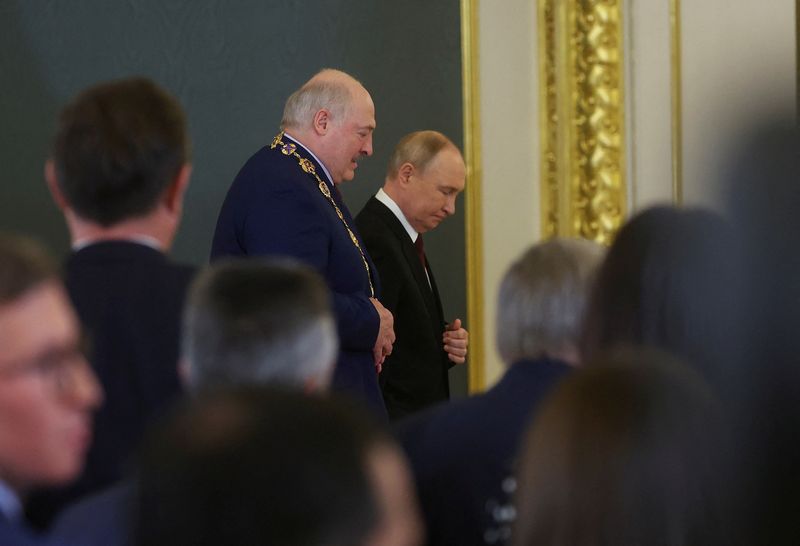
425	175
118	172
285	201
247	322
47	389
463	453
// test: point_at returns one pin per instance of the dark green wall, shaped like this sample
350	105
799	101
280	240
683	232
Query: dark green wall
232	64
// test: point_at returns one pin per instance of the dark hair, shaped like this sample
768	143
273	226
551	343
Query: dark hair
258	467
118	146
24	264
258	320
624	453
668	281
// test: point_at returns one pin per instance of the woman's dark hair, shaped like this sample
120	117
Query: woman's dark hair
626	452
669	281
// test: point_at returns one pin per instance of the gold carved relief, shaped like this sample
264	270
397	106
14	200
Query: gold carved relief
583	179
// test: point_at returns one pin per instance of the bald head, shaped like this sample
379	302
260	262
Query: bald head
328	89
333	116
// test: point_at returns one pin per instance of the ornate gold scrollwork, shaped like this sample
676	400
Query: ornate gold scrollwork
581	74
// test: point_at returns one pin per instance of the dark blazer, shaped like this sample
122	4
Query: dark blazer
273	207
12	534
463	453
129	298
414	376
102	519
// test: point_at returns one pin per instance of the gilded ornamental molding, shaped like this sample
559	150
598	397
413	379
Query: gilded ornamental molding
583	158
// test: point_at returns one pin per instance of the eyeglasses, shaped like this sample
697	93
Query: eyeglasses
57	367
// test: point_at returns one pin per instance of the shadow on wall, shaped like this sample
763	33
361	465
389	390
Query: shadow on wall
28	109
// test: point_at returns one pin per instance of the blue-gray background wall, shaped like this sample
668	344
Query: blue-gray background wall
232	64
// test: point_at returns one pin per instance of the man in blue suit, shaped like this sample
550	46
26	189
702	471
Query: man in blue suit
47	389
463	453
285	201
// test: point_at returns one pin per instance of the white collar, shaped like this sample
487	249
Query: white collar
384	198
10	505
145	240
318	160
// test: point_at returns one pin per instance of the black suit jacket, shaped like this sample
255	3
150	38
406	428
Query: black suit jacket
129	298
415	374
463	455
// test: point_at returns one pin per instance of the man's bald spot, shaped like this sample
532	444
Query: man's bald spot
328	89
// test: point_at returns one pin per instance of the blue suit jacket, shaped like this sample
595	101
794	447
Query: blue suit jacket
130	299
273	207
102	519
13	534
463	455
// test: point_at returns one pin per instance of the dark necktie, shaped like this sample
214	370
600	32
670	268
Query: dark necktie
420	246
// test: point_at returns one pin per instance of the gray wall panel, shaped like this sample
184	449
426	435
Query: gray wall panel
232	64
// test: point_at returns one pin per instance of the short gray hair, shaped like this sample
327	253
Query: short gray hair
542	298
328	89
258	321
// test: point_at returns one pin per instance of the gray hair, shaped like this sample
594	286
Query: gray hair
542	298
329	89
258	322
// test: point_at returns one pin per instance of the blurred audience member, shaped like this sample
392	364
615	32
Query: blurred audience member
669	281
462	453
625	453
118	172
257	467
247	322
265	321
764	204
47	389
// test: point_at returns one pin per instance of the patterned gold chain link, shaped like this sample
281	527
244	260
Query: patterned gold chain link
290	149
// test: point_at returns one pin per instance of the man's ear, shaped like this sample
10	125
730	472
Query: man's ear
173	199
322	121
405	172
51	178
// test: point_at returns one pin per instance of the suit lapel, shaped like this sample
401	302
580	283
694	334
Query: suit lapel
429	294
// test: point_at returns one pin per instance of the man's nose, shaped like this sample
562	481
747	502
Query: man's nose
450	206
366	149
84	389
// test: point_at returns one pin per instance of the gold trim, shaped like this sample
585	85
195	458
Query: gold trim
472	157
548	118
677	101
581	71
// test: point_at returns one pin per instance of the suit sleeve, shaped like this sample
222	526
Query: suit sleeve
290	225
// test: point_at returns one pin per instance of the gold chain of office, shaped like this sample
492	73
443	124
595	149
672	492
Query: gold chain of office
290	149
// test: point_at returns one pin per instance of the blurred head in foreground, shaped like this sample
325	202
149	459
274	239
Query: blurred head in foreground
47	389
669	281
542	299
264	321
625	452
267	467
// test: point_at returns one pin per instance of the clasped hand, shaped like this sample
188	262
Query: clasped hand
385	340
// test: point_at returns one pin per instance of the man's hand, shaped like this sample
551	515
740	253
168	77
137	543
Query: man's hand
455	341
385	340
